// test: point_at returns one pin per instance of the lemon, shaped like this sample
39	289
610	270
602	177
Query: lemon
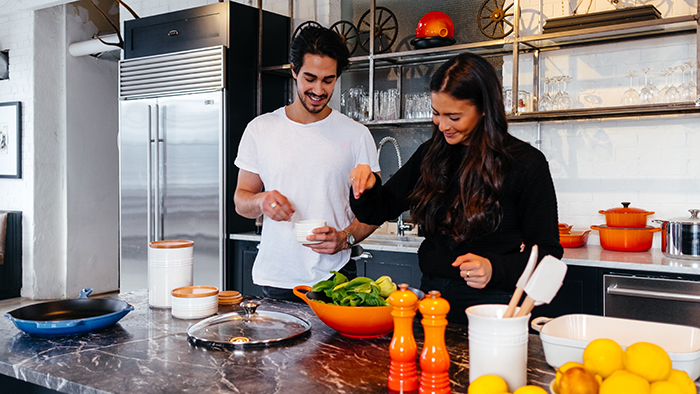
623	382
683	381
577	380
648	361
665	387
529	389
603	357
488	384
560	372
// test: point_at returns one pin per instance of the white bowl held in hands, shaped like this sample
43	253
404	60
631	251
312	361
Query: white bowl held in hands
304	228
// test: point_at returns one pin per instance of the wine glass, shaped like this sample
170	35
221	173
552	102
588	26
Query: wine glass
630	96
646	96
562	99
687	88
545	103
672	94
556	88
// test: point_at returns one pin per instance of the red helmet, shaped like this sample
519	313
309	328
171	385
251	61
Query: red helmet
435	24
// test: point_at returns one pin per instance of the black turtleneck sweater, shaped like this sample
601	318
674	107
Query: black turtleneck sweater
528	204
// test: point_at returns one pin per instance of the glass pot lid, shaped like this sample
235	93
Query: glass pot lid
248	328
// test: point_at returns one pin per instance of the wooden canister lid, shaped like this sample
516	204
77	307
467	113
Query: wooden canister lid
171	244
195	291
230	297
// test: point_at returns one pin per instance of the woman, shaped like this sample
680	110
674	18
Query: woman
481	196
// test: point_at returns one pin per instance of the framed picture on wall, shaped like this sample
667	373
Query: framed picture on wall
11	140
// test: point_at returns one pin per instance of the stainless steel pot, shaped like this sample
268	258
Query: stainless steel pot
680	238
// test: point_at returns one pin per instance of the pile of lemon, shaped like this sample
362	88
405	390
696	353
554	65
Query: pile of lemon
643	368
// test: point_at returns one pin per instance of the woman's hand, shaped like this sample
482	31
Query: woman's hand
361	178
475	270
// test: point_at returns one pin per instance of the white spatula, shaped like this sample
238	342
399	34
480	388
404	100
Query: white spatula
522	281
543	284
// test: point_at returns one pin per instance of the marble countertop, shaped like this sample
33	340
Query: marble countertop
147	352
587	256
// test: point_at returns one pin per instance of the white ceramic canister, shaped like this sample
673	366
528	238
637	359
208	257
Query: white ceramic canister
195	302
170	265
497	346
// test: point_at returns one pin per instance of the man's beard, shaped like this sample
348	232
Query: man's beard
313	110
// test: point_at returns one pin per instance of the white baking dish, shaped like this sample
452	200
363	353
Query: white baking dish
565	338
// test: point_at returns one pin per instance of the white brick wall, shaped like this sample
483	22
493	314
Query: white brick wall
16	35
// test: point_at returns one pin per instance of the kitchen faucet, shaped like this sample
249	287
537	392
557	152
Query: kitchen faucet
400	226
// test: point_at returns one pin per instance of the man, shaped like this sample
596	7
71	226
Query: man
294	165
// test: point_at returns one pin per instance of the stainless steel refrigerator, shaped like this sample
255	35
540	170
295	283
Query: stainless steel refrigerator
172	150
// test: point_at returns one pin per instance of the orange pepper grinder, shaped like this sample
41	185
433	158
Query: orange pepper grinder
403	371
434	359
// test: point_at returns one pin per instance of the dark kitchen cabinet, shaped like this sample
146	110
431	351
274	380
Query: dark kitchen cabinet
401	267
240	277
581	292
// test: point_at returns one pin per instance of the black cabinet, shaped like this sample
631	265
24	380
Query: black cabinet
241	278
581	292
401	267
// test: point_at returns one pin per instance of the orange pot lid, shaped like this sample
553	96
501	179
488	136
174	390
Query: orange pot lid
626	209
172	244
195	291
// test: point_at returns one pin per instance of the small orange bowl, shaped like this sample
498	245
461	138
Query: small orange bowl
574	239
350	321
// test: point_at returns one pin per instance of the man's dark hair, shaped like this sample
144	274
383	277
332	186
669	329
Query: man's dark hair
316	40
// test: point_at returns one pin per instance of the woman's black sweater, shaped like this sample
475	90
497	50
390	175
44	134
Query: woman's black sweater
528	204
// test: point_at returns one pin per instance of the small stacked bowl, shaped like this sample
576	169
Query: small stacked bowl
626	229
569	238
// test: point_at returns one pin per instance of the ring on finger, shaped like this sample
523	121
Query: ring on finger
468	273
274	204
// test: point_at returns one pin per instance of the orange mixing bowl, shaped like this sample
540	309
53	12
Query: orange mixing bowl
626	239
352	321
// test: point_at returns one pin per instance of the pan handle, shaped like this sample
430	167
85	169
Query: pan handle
84	293
539	322
57	324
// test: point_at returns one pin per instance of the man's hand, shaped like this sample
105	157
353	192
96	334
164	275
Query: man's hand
333	241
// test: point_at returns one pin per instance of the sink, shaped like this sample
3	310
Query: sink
393	240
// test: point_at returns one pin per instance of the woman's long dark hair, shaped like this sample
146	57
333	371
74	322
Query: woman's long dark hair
479	167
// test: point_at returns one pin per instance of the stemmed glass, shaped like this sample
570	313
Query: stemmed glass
630	96
562	99
646	96
672	94
545	103
687	89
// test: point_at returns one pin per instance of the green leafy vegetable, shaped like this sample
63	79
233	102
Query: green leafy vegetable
360	291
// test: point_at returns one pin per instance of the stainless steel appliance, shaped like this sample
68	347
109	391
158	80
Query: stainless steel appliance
172	160
663	300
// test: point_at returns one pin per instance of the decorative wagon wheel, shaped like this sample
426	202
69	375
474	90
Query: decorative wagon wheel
492	18
385	30
303	26
348	33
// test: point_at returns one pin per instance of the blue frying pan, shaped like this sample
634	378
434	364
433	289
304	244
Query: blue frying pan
67	317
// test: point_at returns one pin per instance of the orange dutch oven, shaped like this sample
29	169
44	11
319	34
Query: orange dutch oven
626	216
626	239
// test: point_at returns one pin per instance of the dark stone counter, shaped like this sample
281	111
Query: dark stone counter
148	352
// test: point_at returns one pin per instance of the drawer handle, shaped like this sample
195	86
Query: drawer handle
661	295
173	33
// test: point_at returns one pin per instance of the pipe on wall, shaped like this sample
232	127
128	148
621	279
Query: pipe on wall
94	46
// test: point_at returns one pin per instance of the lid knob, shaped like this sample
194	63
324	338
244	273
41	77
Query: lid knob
249	307
694	213
626	204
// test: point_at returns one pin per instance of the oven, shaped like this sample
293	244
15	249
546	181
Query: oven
665	300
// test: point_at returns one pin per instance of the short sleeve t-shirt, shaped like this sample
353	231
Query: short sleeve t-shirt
309	164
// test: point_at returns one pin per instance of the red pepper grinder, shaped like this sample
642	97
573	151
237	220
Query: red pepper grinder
403	372
434	359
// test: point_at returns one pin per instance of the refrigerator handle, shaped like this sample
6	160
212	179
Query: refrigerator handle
158	200
149	178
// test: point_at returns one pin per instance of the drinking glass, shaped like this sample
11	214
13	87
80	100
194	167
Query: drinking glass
672	94
562	99
646	96
556	92
545	102
687	88
630	96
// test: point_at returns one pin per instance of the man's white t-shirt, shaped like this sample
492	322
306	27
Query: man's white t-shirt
309	164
